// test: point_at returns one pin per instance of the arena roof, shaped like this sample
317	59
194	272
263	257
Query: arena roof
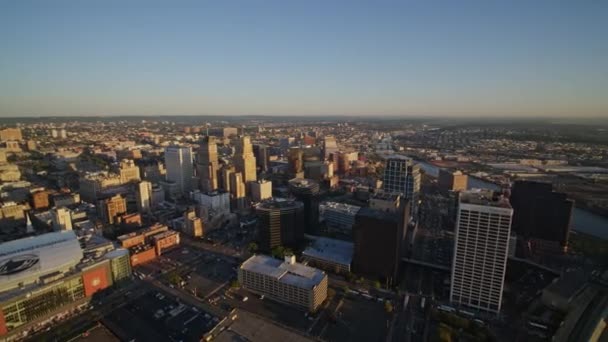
24	261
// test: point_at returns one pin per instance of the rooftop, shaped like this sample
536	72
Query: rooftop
331	249
385	196
278	203
293	274
342	207
378	214
569	284
398	157
35	242
484	197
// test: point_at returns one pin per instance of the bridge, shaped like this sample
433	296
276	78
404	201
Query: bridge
427	264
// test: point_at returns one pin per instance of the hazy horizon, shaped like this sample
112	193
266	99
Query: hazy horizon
396	60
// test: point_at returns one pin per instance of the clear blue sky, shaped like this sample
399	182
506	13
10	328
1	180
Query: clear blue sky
448	58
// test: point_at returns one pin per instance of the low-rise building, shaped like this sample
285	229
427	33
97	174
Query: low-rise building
165	240
330	255
284	281
338	217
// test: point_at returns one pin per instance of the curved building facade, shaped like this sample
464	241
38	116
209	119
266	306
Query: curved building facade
24	261
280	223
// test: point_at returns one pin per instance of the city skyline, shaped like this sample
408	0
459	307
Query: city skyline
359	59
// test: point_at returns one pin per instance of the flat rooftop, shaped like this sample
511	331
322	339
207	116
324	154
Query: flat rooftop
35	242
279	203
293	274
342	207
385	196
484	197
378	214
333	250
398	157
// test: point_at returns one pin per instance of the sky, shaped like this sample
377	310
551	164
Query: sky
262	57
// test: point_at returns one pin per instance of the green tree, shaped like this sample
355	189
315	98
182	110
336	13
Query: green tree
278	252
252	247
377	284
174	278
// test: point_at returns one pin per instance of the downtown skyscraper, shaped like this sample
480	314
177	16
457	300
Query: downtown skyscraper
483	227
208	165
244	160
178	162
330	147
402	176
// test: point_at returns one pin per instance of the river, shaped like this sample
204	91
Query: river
583	221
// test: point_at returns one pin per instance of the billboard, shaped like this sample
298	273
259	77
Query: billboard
95	279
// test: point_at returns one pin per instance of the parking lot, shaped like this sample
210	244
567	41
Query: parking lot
355	318
158	316
281	313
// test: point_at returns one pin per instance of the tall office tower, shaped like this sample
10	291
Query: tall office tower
237	190
129	172
452	181
224	180
63	134
143	195
244	160
237	185
342	159
280	223
402	176
379	241
208	165
481	247
541	215
178	161
261	156
295	159
62	219
111	208
307	192
330	147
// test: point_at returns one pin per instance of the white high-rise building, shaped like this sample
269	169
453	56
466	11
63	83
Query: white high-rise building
178	162
144	197
62	219
481	249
